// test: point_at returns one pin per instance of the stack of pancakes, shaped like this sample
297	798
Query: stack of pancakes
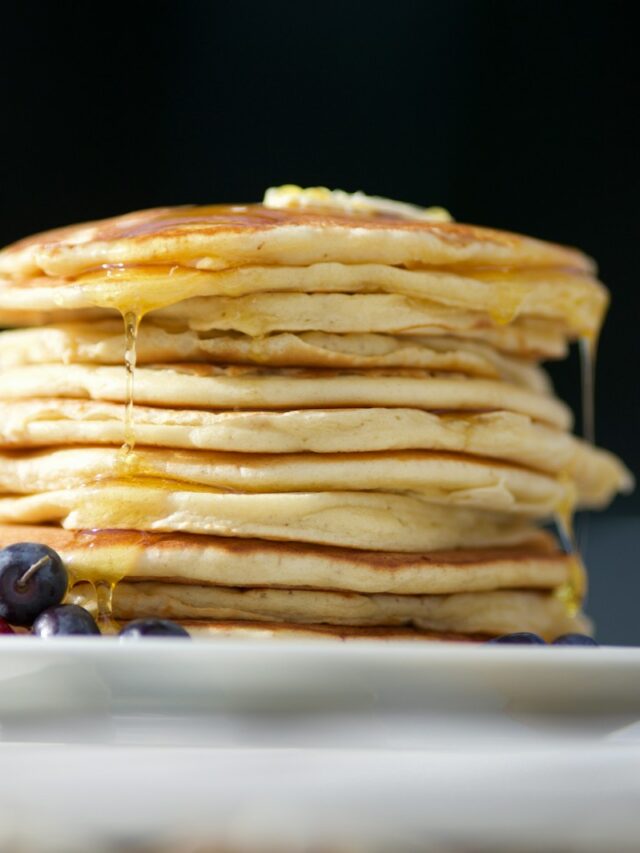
340	425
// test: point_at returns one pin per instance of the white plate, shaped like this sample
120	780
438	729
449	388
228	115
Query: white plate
312	681
283	746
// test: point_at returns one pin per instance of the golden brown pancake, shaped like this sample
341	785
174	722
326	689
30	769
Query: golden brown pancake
110	555
448	479
391	522
496	435
236	630
341	633
104	343
495	612
574	300
209	387
221	236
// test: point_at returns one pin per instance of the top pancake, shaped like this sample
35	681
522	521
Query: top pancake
226	236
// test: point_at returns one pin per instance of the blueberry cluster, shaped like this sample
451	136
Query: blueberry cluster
524	638
33	583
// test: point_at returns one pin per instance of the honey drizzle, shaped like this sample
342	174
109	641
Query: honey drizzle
572	593
588	347
131	321
114	287
104	604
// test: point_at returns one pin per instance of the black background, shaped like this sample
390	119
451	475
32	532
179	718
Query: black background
514	114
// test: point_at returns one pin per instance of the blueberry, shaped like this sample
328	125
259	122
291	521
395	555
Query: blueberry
5	628
64	620
574	640
153	628
523	638
32	578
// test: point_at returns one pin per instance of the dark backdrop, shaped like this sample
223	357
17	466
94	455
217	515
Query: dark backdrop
513	114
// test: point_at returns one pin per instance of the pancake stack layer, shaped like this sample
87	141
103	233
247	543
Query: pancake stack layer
339	427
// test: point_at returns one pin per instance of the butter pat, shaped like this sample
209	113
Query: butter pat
292	197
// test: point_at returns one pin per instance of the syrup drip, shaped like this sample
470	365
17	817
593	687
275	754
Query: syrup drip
588	353
104	605
131	324
117	288
573	592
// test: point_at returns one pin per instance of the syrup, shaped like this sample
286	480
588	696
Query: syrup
573	592
104	605
588	348
115	289
131	326
118	287
588	353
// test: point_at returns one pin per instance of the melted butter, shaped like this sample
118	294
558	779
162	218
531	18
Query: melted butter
292	197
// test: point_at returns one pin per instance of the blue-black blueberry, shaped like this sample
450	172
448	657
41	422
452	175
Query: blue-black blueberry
32	578
522	638
65	620
574	640
153	628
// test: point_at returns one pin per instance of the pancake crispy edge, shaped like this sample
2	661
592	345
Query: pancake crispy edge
221	236
494	612
111	555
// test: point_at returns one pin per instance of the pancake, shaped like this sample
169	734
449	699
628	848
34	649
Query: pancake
498	435
386	521
224	236
574	298
496	612
502	435
265	313
337	313
111	555
104	343
210	387
287	631
340	426
439	478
